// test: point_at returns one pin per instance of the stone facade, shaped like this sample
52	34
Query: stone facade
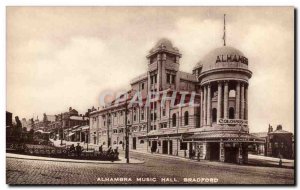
213	127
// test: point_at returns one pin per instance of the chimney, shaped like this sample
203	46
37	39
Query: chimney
70	108
270	128
279	127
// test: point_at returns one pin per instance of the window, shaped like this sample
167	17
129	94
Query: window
164	112
186	118
115	131
214	115
120	142
173	79
141	141
153	79
231	113
154	127
174	120
142	114
168	78
163	125
142	86
232	93
183	146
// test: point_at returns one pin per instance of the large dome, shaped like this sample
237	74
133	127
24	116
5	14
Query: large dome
220	57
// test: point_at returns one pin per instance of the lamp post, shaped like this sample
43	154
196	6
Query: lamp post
126	133
62	130
87	139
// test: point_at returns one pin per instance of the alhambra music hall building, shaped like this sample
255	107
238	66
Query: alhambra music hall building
215	129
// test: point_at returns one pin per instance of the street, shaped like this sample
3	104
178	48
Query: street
156	170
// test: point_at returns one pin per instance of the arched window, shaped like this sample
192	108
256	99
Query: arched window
174	119
214	115
120	142
231	113
186	118
141	141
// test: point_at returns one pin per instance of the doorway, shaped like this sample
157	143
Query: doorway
165	147
153	146
134	143
214	151
231	154
170	147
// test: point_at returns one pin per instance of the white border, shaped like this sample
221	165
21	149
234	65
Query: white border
5	3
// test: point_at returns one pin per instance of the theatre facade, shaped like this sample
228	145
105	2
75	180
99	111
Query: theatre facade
203	114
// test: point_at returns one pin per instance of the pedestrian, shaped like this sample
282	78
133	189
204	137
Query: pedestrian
78	150
101	149
116	152
72	148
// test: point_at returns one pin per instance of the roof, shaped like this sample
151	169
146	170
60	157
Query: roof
209	60
81	118
280	132
187	76
139	78
164	44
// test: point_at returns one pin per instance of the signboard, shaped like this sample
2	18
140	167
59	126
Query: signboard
232	121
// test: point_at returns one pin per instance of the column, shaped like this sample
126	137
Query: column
219	107
246	102
204	105
222	152
208	105
204	151
226	100
237	100
201	107
243	101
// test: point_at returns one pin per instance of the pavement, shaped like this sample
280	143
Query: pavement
156	169
256	160
121	160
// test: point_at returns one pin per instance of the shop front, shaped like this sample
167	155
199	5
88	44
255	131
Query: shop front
229	147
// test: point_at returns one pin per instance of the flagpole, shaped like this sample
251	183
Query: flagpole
224	36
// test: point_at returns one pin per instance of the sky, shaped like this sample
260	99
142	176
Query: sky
61	57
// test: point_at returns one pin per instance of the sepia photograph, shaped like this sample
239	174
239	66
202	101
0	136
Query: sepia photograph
184	95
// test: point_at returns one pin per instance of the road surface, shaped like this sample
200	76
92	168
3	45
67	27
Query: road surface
156	170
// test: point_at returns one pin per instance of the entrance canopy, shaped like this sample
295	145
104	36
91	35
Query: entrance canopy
71	134
224	137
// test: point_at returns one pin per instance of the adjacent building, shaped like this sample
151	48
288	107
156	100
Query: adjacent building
70	125
279	143
203	113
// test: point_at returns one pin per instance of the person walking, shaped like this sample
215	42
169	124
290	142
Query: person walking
78	150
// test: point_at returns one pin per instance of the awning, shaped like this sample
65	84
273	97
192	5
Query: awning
70	134
82	128
85	127
224	137
43	132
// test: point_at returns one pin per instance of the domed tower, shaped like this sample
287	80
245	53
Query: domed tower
163	66
223	76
